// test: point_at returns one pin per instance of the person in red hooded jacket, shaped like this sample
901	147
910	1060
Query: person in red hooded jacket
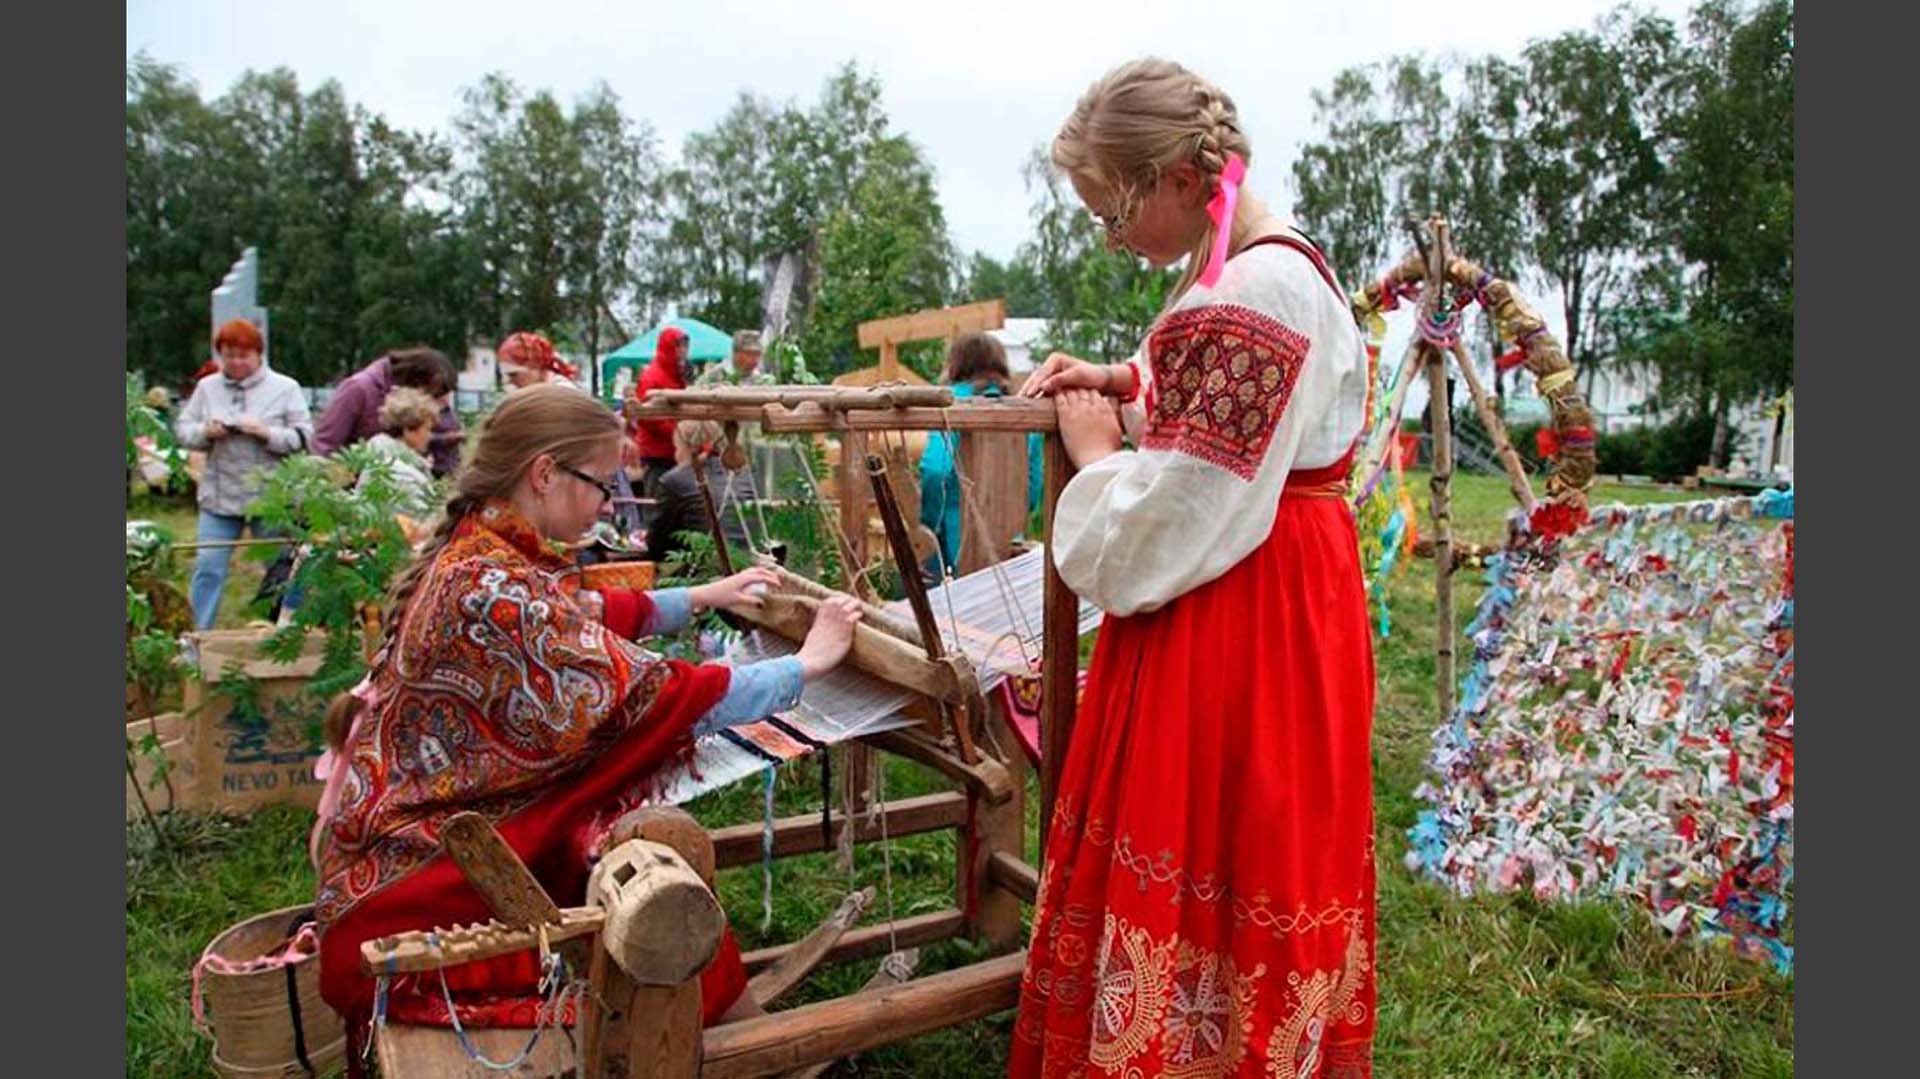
654	438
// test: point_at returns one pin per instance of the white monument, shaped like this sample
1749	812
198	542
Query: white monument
238	296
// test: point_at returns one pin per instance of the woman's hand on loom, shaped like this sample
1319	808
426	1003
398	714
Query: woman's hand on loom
1089	425
830	638
744	591
1063	372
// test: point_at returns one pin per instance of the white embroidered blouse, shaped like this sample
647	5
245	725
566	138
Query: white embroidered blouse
1241	383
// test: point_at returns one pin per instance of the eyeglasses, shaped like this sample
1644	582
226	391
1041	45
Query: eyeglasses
1112	226
1118	222
605	487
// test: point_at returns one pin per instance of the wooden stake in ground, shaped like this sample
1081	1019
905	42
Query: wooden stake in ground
1442	480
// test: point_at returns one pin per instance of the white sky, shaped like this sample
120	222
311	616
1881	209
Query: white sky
977	85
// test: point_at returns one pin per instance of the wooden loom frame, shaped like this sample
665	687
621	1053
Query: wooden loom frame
659	1034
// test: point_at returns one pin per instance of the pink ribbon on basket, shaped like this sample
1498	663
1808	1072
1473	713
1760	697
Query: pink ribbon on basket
1220	208
305	942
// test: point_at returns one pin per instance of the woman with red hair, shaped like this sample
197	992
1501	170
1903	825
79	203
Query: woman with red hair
528	359
246	419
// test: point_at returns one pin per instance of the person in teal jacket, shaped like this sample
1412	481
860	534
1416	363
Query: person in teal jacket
976	366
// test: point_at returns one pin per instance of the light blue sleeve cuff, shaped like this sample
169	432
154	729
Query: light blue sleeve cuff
672	611
757	691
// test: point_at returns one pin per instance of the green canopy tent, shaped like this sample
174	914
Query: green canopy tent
705	345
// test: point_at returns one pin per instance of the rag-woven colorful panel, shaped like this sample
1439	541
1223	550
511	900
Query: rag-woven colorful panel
1626	727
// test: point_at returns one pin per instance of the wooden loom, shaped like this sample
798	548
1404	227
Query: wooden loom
650	923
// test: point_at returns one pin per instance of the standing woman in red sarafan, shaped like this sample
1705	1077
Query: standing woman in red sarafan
506	690
1207	904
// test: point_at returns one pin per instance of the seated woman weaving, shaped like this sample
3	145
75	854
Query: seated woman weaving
501	690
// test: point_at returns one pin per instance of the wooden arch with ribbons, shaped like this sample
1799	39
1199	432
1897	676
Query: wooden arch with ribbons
1442	285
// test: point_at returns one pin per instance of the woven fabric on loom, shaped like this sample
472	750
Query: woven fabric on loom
1626	728
998	613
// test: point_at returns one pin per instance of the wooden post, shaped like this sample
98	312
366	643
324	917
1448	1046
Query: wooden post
1059	681
1441	481
1490	419
663	1034
853	507
997	830
996	465
628	1029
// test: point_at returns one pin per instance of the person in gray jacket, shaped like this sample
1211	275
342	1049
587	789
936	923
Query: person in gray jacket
246	418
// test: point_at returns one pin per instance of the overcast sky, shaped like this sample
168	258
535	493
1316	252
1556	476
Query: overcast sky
977	85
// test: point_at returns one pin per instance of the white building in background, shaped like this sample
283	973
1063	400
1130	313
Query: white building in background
1020	336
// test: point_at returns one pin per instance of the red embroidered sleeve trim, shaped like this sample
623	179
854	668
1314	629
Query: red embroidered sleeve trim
1222	376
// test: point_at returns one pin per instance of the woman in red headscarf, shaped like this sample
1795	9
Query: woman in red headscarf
528	359
654	438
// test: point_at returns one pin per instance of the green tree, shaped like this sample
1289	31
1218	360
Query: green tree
1713	318
1101	302
885	253
182	234
353	261
1017	282
1584	162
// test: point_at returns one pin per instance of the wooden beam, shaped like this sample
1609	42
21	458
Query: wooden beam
414	951
819	1032
1016	876
851	486
740	844
871	940
662	1034
1000	414
874	652
1059	679
496	872
838	397
779	978
897	970
934	325
986	777
994	465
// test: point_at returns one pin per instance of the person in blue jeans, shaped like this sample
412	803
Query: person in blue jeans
976	366
246	418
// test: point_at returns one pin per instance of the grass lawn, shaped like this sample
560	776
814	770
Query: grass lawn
1487	987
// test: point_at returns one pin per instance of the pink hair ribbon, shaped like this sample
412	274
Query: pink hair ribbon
1220	208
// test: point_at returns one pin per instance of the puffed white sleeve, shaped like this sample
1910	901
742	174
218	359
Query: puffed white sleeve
1223	422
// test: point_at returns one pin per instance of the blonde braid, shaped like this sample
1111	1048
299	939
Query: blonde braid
1143	119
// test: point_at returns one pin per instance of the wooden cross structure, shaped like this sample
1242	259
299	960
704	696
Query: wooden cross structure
998	460
650	923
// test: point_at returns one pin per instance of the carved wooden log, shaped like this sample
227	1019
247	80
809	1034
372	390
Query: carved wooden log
663	924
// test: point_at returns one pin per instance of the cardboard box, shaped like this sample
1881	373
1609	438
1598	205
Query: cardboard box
249	757
176	741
